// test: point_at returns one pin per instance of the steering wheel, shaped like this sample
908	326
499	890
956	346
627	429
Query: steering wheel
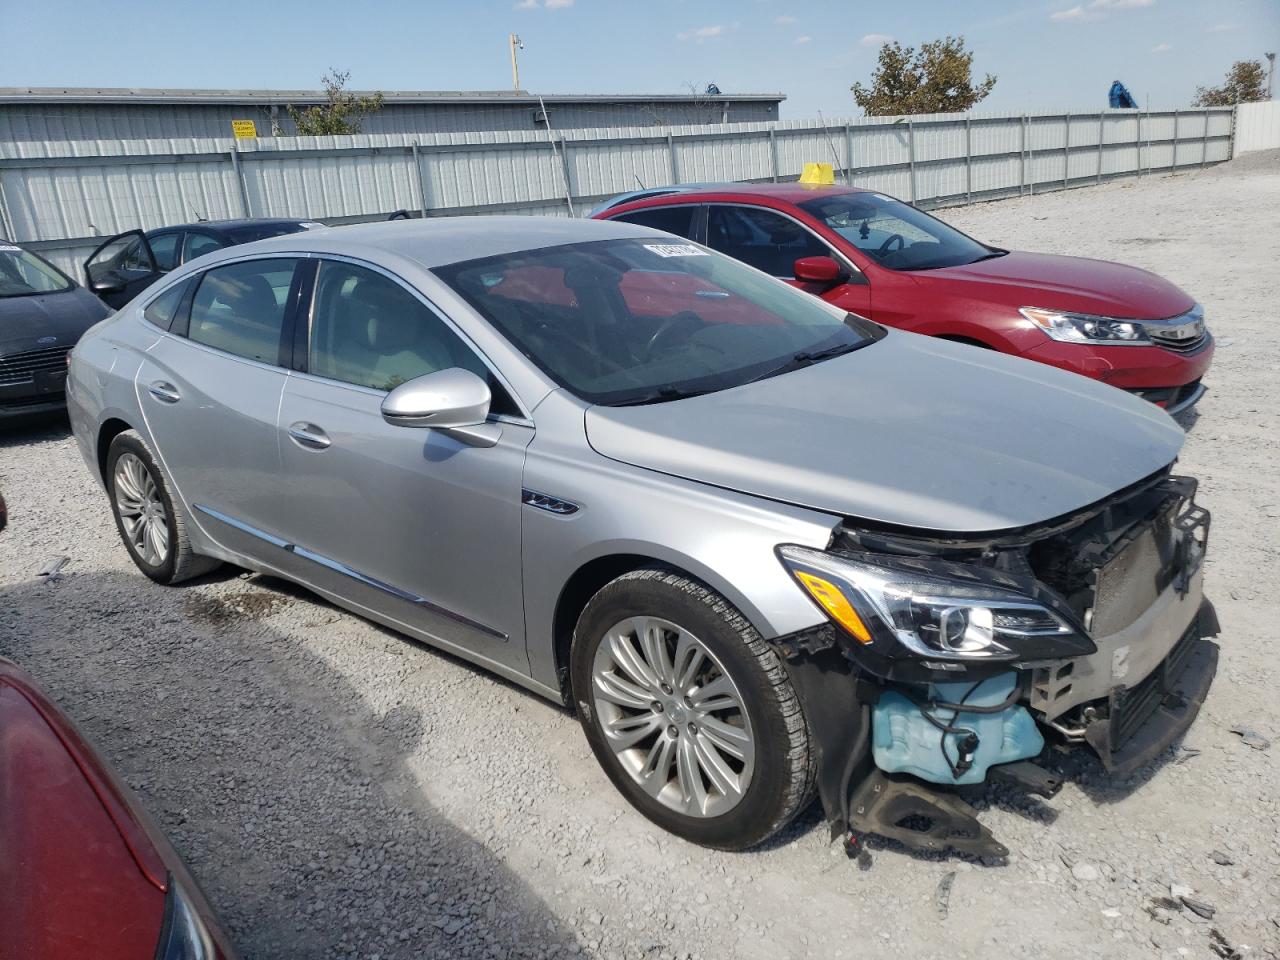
684	321
888	242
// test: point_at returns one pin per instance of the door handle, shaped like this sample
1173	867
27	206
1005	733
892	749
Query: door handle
309	435
164	392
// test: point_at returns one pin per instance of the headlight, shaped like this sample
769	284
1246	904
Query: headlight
1084	328
183	936
901	606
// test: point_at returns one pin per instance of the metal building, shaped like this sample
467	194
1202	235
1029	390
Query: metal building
51	115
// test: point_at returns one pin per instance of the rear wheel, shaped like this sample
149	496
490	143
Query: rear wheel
689	710
151	522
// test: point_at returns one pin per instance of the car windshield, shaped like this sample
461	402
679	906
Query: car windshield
23	274
647	320
895	234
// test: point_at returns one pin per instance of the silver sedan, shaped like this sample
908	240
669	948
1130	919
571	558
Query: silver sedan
765	549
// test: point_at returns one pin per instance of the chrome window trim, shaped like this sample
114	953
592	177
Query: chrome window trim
836	255
342	568
525	418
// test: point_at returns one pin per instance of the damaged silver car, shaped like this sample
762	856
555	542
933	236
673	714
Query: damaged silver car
766	550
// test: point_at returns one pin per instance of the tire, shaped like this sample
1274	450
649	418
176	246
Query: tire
739	694
135	480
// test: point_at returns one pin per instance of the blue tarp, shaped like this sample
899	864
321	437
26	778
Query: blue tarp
1121	98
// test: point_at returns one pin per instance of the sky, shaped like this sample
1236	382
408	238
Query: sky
1045	55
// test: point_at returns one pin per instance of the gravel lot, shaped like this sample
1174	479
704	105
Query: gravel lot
341	791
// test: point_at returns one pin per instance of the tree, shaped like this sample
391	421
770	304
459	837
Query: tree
340	114
1245	83
935	79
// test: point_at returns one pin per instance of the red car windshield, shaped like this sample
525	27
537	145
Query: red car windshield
895	234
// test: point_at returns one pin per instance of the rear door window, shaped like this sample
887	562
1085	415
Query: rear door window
678	220
199	244
762	239
165	247
241	308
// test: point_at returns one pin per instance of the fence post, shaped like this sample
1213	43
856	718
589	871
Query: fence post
417	175
239	175
968	159
1175	141
773	152
1139	143
1066	154
911	156
1022	155
7	229
848	155
671	159
1204	149
1102	136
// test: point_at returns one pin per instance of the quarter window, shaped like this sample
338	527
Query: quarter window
240	308
677	220
368	330
163	308
763	239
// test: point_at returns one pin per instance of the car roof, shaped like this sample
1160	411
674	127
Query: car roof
437	241
790	192
231	226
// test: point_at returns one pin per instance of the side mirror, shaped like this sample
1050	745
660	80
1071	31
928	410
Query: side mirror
453	401
817	270
106	286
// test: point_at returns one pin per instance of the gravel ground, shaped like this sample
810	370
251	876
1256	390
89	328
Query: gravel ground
341	791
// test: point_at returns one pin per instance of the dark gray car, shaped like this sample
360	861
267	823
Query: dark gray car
43	312
763	547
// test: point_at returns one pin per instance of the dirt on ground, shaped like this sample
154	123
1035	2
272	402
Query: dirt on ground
341	791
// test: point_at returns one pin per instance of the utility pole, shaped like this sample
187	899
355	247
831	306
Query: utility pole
1271	71
516	44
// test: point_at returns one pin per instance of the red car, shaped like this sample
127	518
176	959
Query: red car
83	870
870	254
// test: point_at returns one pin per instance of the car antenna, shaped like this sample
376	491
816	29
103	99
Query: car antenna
639	181
199	219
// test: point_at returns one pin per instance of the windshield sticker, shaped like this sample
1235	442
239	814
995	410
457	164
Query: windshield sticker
675	250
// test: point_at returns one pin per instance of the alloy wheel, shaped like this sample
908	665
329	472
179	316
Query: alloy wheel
141	509
673	717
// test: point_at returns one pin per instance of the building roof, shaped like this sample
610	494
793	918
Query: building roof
84	95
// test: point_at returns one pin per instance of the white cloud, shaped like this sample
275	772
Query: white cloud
1096	10
526	5
1161	48
1075	14
700	34
875	39
1222	27
799	40
783	20
558	4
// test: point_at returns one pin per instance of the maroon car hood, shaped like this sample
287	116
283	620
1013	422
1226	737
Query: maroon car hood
1065	283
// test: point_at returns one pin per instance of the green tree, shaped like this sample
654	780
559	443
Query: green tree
1245	83
937	78
342	112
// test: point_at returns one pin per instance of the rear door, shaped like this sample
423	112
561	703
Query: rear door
121	268
210	392
772	241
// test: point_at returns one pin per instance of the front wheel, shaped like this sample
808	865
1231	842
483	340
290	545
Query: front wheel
689	710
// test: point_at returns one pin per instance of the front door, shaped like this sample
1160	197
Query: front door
773	242
410	524
210	392
121	268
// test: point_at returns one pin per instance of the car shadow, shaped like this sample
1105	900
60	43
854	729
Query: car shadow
289	795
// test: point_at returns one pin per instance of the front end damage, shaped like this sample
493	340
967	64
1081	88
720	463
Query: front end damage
950	661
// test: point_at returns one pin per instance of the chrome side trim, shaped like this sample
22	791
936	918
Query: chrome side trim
356	575
543	501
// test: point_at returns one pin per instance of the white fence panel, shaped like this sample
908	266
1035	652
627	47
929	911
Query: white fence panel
1257	126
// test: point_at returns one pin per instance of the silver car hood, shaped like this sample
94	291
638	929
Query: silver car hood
911	431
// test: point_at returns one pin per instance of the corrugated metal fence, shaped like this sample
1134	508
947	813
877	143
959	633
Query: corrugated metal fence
59	196
1257	127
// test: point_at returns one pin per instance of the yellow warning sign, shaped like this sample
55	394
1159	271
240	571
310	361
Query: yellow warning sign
244	129
819	173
